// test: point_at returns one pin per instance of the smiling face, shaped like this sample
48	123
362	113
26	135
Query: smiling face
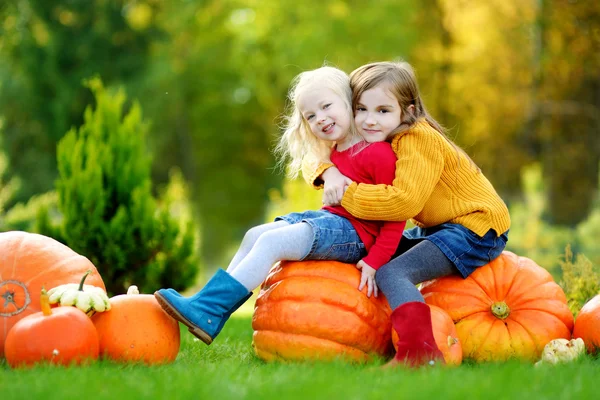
326	113
377	114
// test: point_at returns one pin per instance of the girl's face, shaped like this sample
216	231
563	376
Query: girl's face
326	113
377	114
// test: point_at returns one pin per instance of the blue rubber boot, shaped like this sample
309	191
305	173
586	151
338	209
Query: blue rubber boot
227	315
206	312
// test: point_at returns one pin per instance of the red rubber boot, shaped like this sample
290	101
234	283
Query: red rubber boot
416	345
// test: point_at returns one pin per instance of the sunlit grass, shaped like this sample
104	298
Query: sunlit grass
228	369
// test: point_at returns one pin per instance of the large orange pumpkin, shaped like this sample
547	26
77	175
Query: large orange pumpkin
509	308
29	261
445	335
63	336
137	329
587	325
314	310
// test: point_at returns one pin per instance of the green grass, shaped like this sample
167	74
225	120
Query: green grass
228	369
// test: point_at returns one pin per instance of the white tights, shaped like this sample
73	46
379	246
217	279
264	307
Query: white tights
266	244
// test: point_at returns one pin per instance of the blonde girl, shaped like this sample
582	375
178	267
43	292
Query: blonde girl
321	122
461	222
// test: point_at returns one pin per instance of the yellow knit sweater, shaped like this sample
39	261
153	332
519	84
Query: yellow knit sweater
434	184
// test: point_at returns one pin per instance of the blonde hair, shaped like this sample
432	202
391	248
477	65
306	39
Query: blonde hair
297	139
402	83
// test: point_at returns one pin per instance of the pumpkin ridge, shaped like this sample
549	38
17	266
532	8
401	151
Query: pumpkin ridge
54	266
507	294
489	339
474	304
324	340
482	285
539	294
465	340
309	276
291	269
372	310
532	276
495	286
381	314
267	355
371	322
531	337
22	240
368	321
545	312
481	296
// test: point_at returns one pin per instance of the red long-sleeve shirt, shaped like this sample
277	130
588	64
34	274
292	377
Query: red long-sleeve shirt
373	163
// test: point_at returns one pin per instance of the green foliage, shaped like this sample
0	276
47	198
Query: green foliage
580	280
40	214
295	196
567	108
109	212
46	49
532	235
8	188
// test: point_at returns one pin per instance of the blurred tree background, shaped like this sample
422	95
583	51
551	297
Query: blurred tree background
517	82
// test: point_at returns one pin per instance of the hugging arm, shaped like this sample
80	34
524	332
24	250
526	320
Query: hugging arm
381	168
324	174
418	169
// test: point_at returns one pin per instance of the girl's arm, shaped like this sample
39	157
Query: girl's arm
313	168
418	170
381	167
385	244
324	174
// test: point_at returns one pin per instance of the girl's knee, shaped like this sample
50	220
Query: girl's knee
390	273
252	235
382	276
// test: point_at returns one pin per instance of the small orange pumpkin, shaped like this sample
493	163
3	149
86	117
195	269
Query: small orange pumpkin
29	261
314	310
63	335
509	308
136	329
445	335
587	325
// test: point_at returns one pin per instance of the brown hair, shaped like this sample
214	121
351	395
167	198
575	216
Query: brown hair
401	81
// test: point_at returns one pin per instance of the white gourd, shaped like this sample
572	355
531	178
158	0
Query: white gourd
89	299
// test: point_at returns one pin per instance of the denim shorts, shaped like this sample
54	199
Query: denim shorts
334	237
467	250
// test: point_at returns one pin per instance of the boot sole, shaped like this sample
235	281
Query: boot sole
172	311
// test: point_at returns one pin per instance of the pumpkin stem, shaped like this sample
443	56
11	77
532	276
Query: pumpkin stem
133	290
83	280
45	303
452	341
500	310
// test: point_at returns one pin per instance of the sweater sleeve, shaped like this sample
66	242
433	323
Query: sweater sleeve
385	244
418	170
312	168
381	167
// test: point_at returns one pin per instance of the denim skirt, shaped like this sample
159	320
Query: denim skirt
334	237
463	247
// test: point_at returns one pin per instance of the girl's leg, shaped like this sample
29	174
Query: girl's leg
397	279
411	317
291	242
250	239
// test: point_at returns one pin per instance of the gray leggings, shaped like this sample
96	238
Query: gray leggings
418	262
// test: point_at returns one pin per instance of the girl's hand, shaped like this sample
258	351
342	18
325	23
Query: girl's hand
334	186
367	278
